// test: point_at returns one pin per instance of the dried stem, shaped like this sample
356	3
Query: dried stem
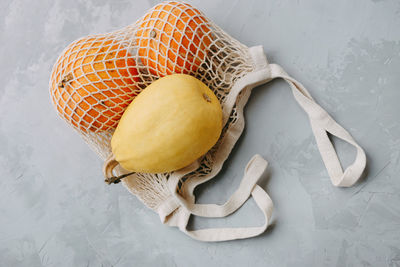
116	179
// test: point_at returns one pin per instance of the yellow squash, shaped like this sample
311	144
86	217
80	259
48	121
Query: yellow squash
169	125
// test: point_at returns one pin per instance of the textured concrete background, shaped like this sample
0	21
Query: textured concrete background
55	209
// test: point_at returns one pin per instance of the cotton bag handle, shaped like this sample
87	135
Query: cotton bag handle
321	123
254	169
264	203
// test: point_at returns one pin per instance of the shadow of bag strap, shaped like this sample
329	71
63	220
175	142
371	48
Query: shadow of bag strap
322	123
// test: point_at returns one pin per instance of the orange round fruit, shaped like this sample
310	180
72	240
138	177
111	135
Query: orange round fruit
92	83
173	37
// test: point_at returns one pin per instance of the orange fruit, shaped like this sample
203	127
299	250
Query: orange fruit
92	83
173	38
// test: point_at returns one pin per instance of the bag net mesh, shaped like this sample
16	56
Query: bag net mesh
96	77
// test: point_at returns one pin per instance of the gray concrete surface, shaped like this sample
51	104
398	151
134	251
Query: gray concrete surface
56	211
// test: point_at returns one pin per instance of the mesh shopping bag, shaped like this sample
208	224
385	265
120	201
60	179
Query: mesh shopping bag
96	77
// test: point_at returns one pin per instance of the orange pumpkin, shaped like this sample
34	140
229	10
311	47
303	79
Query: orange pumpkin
92	83
173	38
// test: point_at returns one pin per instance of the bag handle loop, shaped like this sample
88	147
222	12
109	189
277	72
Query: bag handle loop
321	123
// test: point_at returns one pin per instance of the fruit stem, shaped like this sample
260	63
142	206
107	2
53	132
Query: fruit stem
116	179
153	34
206	97
65	79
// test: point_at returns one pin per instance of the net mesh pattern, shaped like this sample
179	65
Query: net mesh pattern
96	77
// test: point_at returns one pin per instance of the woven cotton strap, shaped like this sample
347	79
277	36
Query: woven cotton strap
321	123
248	187
265	204
253	171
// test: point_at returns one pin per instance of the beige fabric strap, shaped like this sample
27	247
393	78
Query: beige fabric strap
177	209
321	123
265	204
260	75
253	171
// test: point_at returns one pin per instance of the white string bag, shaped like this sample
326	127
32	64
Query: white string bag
188	43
